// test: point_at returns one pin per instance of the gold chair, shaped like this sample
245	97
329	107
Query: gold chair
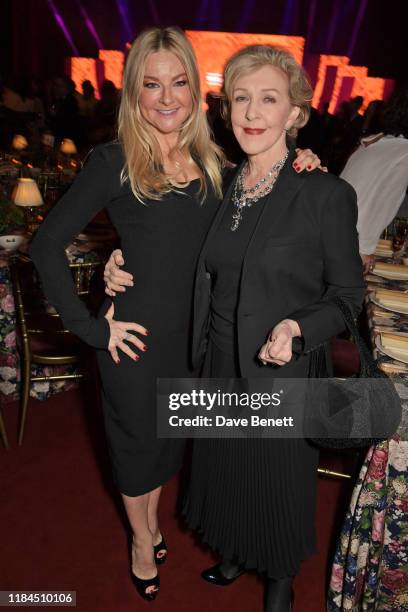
333	474
43	339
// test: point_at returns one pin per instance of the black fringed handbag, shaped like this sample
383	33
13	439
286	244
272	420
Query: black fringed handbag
355	412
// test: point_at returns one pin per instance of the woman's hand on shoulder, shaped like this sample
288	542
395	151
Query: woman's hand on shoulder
119	333
278	347
307	160
115	278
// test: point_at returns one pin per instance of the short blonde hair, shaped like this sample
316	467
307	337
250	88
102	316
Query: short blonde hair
254	57
144	161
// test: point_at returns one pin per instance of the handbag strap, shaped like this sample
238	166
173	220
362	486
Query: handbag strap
368	366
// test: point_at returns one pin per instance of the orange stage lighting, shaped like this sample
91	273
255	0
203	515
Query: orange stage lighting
213	49
113	62
359	76
81	69
326	61
374	89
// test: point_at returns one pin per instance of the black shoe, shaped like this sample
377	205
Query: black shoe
141	586
160	547
215	575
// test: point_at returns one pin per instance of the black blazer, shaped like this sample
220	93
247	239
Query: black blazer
303	251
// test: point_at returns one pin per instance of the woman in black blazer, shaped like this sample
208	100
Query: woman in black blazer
281	246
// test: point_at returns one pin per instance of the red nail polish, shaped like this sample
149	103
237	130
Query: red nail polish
309	167
144	348
136	358
146	333
297	169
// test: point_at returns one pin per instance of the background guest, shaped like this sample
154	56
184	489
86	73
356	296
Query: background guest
88	101
105	114
378	171
64	111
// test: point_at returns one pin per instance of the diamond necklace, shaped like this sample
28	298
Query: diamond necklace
243	198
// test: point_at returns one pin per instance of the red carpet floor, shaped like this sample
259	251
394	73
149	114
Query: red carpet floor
62	526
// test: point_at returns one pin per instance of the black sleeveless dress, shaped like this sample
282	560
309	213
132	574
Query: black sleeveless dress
161	241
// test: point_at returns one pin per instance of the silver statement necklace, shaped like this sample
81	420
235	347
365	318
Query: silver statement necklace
244	198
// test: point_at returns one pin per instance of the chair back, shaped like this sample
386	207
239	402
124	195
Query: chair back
43	340
83	273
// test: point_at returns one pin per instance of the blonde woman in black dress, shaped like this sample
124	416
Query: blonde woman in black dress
161	200
273	267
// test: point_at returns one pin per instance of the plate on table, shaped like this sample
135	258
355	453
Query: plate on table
401	284
391	270
391	275
393	353
11	243
393	368
384	329
401	309
382	252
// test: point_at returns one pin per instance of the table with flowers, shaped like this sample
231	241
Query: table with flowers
370	569
9	354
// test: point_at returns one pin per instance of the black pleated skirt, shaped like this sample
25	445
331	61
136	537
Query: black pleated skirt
253	500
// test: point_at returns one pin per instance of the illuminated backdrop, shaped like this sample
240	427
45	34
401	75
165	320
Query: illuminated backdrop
333	78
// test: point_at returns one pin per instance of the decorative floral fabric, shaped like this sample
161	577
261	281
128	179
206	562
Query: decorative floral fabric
370	570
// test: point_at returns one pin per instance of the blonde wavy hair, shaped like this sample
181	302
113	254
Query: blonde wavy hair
254	57
144	161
